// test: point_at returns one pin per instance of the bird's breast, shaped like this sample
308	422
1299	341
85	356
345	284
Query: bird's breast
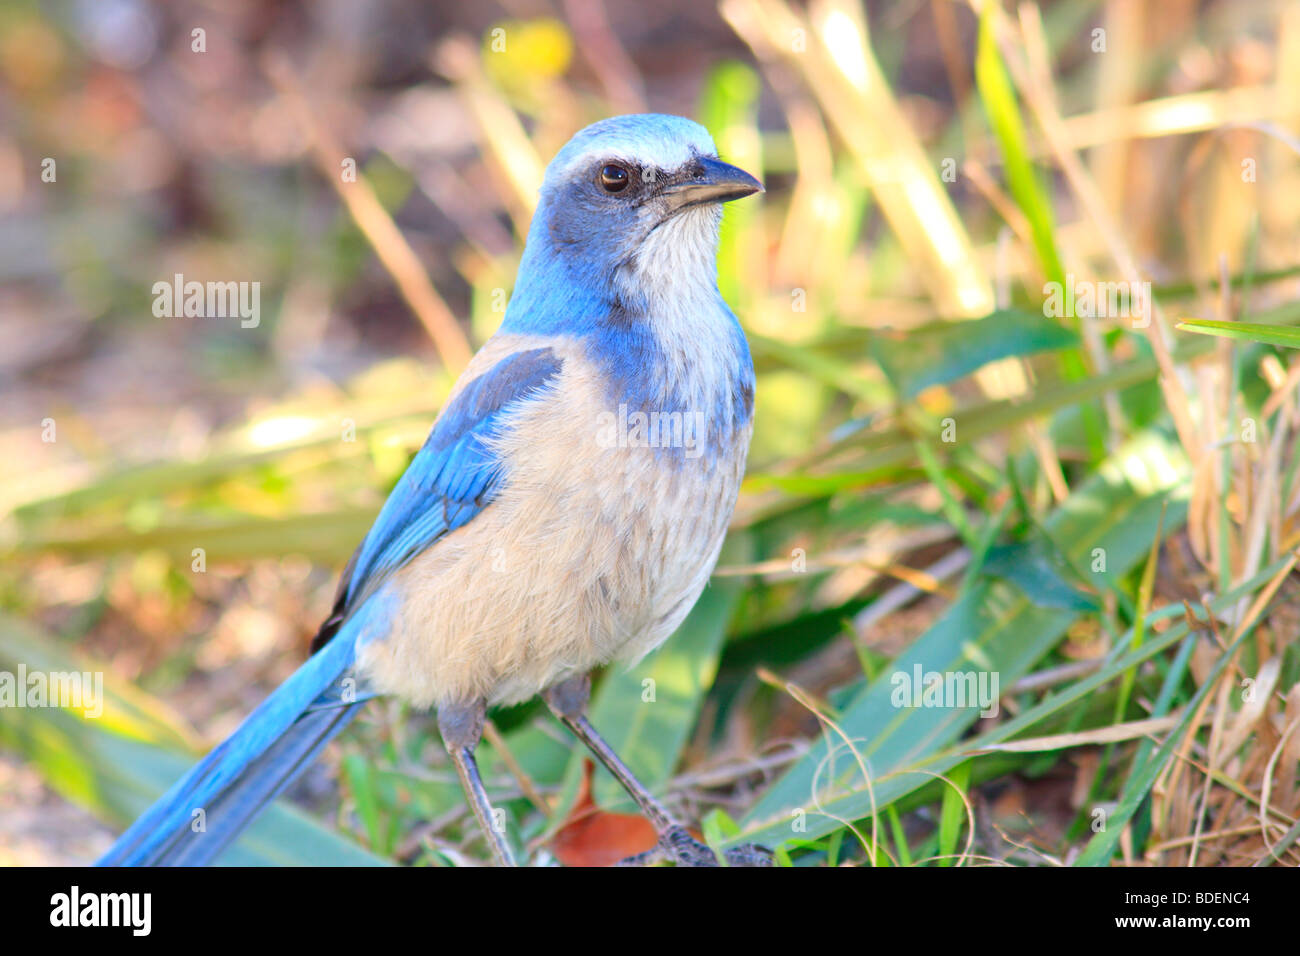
636	497
605	530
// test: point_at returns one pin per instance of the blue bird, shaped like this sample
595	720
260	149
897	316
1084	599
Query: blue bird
566	510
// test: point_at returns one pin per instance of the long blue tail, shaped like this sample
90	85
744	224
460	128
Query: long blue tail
250	768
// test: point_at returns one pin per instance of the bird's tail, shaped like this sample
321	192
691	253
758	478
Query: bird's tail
207	808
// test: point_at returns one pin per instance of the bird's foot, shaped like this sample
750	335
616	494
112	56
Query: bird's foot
684	850
680	848
749	854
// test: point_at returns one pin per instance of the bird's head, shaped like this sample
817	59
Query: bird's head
629	211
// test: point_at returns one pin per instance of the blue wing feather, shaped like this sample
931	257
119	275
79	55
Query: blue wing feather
454	476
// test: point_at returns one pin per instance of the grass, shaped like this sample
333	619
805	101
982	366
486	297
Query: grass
1097	509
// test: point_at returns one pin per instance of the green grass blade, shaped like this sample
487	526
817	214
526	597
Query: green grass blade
943	352
1244	331
992	627
952	813
1003	113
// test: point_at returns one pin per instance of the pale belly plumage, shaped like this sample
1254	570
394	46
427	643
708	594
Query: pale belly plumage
591	552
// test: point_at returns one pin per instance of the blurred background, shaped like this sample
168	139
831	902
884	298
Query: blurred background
947	472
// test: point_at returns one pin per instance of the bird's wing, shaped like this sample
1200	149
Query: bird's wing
451	479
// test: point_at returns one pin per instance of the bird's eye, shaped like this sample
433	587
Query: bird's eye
613	178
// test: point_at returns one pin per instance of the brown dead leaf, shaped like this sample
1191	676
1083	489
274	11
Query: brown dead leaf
593	837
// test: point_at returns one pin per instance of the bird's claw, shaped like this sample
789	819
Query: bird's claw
684	850
678	846
749	854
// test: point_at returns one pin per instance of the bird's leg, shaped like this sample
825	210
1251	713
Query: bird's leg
568	701
461	726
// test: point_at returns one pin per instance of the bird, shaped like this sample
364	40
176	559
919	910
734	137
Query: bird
565	512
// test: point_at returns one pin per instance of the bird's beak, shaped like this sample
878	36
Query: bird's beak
720	182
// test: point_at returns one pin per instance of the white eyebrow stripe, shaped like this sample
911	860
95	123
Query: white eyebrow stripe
666	147
666	162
